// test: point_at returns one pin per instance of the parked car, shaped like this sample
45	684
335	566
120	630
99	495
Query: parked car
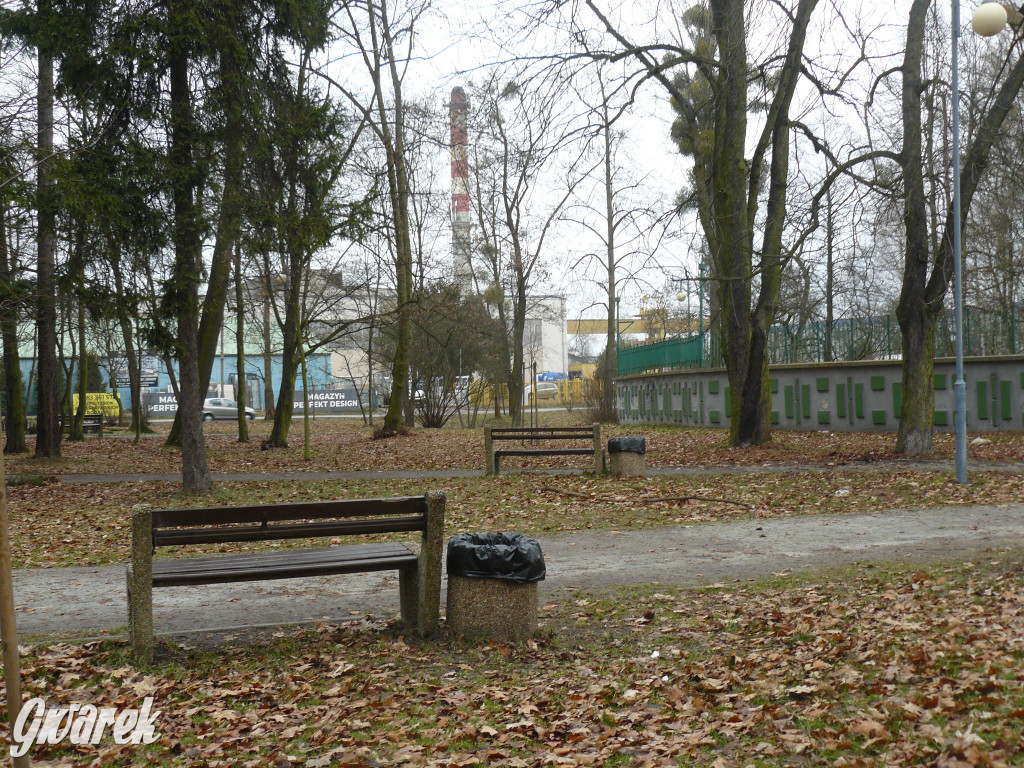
546	390
222	408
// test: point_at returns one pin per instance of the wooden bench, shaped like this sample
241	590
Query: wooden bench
419	572
93	422
535	435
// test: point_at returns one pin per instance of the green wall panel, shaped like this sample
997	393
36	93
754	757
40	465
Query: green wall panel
715	417
858	400
821	383
941	419
788	396
897	400
805	397
982	399
877	383
940	381
878	417
841	401
1005	406
824	417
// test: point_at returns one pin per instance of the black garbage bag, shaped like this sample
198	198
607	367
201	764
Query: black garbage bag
505	556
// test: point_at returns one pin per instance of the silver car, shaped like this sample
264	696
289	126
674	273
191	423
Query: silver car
222	408
546	390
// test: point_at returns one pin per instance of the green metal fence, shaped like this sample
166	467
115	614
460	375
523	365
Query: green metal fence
986	334
670	353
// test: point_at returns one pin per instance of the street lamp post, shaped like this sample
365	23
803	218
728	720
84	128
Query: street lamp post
700	294
959	385
617	330
700	280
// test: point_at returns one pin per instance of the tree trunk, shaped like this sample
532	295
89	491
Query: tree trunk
291	353
241	394
78	423
14	403
516	379
268	363
829	277
611	362
48	432
737	187
730	249
307	453
133	355
230	220
398	188
184	290
916	421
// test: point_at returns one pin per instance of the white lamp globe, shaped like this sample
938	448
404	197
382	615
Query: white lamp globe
680	297
989	19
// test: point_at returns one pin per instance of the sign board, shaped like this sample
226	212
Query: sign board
159	403
150	371
98	404
319	402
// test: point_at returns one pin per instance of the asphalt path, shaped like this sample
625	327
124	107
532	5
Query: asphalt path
92	601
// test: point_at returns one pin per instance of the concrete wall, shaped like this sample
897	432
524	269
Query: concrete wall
841	397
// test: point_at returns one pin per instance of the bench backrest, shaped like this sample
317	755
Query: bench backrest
543	433
267	522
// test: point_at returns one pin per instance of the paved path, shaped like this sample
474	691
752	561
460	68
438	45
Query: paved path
92	600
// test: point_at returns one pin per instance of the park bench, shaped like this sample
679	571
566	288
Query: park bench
537	435
92	422
419	573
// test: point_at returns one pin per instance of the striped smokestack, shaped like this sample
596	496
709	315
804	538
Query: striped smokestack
461	267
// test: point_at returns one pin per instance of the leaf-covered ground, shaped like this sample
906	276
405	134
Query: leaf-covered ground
58	524
65	524
345	445
875	667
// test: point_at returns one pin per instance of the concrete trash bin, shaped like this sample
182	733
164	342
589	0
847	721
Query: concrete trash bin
627	455
492	586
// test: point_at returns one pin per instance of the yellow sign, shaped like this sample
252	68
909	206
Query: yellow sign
101	403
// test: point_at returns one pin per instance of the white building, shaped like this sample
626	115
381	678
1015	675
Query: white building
545	336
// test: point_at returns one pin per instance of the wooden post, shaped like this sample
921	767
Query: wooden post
8	625
140	585
598	451
489	465
429	618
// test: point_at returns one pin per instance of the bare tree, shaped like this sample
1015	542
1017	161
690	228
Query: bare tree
746	195
928	264
627	226
383	37
522	137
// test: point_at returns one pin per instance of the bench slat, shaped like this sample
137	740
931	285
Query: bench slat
168	537
307	510
541	430
277	556
547	452
282	565
559	436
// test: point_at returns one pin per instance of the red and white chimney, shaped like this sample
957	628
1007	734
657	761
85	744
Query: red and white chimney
461	264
